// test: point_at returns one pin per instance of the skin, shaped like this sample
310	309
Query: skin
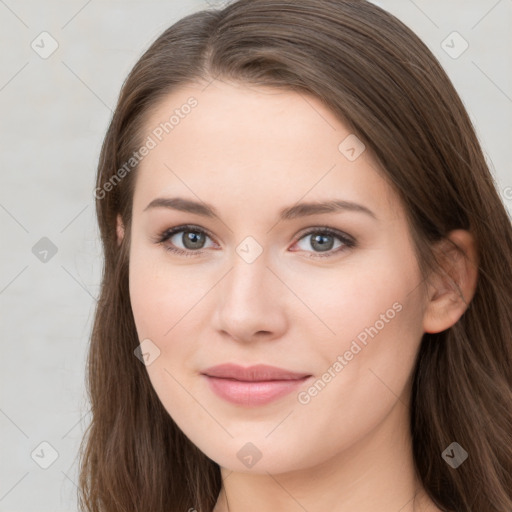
249	152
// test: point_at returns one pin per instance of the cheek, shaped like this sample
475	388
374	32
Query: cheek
376	290
159	294
143	295
167	305
373	311
163	304
381	329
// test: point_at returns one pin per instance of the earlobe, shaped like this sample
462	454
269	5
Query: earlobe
119	230
452	288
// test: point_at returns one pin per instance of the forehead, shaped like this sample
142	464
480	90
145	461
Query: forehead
269	144
232	116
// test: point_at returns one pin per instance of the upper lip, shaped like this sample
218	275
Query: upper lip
259	372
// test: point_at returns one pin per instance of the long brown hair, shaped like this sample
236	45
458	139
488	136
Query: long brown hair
384	83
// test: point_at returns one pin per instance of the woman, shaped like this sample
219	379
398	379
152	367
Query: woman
305	301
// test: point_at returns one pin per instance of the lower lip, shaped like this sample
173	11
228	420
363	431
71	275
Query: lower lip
252	393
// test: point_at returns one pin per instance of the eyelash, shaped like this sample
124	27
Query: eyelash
348	242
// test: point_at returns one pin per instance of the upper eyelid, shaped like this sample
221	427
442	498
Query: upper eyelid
178	229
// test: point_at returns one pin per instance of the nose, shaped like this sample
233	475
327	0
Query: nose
251	302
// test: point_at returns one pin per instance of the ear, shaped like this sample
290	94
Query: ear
119	229
453	287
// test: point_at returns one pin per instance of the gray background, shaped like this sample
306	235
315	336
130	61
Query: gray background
55	111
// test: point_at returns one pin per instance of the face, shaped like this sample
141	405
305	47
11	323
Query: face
330	294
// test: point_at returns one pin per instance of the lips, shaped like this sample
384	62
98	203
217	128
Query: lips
260	372
252	386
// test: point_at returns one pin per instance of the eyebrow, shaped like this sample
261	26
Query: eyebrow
290	213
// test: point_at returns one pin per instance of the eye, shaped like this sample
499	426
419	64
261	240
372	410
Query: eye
323	242
191	238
